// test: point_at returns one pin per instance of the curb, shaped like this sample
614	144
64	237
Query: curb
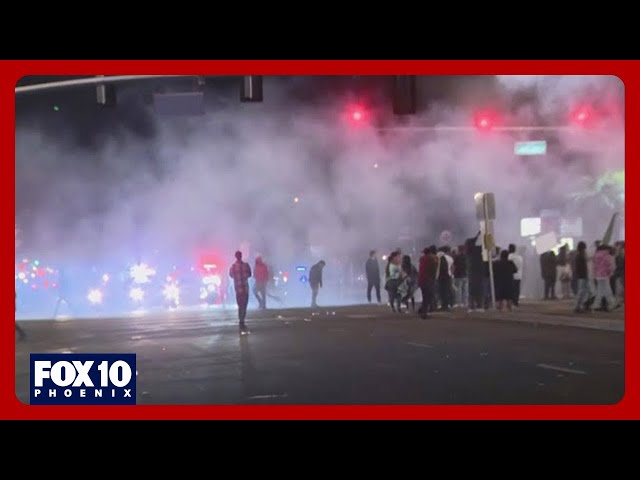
603	324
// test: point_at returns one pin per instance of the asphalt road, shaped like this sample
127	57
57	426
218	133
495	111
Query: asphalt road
346	355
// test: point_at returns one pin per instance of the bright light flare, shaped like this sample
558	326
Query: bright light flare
485	120
136	294
141	273
583	115
105	277
171	292
213	280
95	296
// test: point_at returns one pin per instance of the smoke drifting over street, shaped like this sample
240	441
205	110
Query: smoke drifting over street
233	175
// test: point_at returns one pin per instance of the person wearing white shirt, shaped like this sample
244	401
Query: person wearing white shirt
517	259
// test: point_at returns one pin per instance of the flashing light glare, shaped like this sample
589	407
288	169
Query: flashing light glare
484	120
375	165
384	257
34	286
33	275
24	260
36	262
169	279
21	276
56	108
211	287
136	294
285	279
296	200
213	280
209	266
203	293
105	277
171	292
356	114
35	269
95	296
301	269
141	273
583	115
54	285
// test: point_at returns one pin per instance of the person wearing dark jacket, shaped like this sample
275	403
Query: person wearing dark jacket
582	275
460	281
409	282
503	271
445	284
315	281
372	269
548	268
427	269
475	274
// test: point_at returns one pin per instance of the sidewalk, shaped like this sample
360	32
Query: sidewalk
556	312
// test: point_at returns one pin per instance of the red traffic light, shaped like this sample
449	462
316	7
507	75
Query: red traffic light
356	114
485	120
583	115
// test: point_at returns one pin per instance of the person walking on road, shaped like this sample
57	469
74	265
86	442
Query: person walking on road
240	272
372	269
315	281
261	278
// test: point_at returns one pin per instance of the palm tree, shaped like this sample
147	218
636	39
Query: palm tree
604	193
606	189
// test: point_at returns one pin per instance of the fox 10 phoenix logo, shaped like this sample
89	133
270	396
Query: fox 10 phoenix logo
83	379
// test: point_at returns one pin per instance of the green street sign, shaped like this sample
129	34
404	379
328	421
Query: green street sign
530	148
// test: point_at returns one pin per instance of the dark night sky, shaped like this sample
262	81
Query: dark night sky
78	113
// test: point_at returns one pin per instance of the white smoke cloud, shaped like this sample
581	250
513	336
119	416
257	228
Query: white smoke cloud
232	176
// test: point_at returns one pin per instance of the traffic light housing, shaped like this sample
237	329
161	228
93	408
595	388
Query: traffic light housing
404	95
106	94
251	88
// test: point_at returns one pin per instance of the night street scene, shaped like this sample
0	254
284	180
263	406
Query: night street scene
326	240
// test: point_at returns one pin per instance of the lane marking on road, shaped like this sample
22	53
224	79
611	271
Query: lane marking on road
262	397
360	315
420	345
561	369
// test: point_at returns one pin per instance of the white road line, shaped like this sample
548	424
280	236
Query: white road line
260	397
361	316
561	369
421	345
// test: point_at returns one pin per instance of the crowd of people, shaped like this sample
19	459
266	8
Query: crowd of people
461	277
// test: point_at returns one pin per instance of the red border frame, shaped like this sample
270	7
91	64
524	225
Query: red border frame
11	71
